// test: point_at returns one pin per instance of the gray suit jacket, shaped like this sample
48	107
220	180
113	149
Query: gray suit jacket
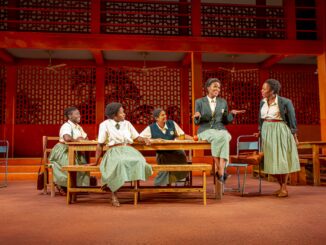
286	111
207	121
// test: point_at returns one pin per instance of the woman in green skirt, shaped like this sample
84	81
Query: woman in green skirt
211	114
122	162
166	130
278	130
69	132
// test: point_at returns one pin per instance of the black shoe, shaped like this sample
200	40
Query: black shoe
220	178
226	176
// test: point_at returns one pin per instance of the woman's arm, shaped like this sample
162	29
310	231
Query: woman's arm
98	154
143	140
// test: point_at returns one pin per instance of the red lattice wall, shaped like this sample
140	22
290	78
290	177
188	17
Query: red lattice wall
140	93
42	95
2	94
301	86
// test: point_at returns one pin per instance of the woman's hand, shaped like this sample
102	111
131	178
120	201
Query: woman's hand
235	112
144	140
296	139
257	134
196	115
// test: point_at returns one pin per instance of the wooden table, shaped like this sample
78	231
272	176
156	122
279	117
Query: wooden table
156	145
315	146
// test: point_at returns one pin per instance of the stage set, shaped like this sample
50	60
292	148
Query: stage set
149	54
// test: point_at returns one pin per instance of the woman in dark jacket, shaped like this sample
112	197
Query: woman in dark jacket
211	114
278	128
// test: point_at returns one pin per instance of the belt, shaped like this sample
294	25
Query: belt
116	145
272	120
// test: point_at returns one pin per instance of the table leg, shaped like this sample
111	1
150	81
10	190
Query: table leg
71	155
204	187
135	192
316	164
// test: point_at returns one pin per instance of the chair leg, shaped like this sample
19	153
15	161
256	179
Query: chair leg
244	181
259	172
238	175
45	179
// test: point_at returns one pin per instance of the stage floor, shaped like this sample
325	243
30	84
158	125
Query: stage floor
28	217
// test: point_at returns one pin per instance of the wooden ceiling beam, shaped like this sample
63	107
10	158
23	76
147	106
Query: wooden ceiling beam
6	57
272	60
153	43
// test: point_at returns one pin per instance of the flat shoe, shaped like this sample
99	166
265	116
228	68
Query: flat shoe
275	193
283	194
115	202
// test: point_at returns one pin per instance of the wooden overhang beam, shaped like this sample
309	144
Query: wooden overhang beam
98	57
153	43
6	57
272	60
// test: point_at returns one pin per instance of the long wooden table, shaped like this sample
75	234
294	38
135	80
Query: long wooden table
315	146
73	147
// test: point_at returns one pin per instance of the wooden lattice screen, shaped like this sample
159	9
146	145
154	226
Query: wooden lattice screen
42	95
140	93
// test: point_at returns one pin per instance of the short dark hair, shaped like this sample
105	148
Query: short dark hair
210	81
274	84
112	109
157	112
68	111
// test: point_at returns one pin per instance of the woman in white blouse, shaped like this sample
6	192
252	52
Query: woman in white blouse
70	131
121	163
278	130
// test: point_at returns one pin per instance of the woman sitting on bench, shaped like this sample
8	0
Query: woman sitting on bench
69	132
167	130
121	163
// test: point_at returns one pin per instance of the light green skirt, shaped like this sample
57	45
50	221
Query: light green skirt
279	147
121	164
59	158
220	142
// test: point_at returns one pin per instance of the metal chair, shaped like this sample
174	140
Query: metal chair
243	158
4	148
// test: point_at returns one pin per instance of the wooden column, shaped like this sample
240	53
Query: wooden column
196	86
185	101
261	23
100	94
9	131
183	20
196	18
290	18
321	68
96	16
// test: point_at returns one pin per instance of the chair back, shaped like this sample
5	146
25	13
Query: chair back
247	143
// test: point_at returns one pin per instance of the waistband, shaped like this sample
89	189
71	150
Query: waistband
272	120
122	144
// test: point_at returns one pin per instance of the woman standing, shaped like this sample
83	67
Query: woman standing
167	130
211	114
121	163
278	128
69	132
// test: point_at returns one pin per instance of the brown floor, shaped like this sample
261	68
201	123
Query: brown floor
28	217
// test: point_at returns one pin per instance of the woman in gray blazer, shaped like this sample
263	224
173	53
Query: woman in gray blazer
278	130
211	114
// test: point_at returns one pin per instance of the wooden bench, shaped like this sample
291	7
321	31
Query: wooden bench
72	188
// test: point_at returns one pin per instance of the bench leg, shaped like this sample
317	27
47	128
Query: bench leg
68	188
135	192
204	187
52	183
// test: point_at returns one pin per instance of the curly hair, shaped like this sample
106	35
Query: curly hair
274	85
69	110
112	109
